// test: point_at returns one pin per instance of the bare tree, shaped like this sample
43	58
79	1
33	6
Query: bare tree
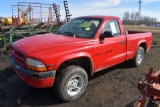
134	19
126	18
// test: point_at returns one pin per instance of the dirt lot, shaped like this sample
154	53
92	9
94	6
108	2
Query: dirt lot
113	87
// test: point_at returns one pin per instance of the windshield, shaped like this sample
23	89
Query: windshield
80	27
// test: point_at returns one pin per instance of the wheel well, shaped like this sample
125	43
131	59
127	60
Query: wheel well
83	62
144	45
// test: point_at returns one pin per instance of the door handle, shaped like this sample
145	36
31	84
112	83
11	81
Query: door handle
121	42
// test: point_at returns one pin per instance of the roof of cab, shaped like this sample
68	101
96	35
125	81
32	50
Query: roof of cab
101	16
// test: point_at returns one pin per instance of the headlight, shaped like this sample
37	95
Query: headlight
35	65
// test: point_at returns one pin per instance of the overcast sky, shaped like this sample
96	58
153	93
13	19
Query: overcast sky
93	7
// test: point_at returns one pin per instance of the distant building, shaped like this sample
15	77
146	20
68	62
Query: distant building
155	24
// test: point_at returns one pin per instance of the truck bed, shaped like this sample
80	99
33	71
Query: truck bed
134	32
133	40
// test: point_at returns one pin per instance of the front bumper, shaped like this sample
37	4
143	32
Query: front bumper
35	79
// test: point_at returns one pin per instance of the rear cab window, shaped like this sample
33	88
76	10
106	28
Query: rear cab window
113	27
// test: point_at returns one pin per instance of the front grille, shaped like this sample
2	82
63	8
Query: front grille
18	57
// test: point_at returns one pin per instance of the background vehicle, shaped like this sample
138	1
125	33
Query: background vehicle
80	48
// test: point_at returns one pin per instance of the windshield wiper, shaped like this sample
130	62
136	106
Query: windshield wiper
73	34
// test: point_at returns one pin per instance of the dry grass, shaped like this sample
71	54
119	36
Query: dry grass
155	30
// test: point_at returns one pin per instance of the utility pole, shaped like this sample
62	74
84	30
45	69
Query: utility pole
140	8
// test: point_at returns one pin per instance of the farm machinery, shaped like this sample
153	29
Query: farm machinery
29	19
150	89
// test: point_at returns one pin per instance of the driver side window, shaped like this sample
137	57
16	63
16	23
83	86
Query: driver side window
113	27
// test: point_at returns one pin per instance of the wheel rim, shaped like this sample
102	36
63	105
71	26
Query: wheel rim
140	57
74	85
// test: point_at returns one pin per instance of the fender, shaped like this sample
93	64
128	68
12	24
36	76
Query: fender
72	56
140	42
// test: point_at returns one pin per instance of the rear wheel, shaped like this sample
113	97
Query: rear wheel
71	83
138	59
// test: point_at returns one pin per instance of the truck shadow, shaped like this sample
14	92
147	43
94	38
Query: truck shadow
48	97
124	65
41	97
19	93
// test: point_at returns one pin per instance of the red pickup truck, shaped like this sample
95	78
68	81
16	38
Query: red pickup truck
80	48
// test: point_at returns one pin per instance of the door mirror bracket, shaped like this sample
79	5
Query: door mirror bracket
106	34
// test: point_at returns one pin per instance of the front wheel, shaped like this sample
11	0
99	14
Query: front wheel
71	83
138	59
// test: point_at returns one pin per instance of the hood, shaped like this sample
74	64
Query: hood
45	41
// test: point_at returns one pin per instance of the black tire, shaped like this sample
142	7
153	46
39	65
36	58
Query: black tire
71	83
139	57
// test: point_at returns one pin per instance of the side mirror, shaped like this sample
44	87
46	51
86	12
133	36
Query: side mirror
106	34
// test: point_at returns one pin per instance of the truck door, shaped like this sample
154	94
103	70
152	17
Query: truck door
111	50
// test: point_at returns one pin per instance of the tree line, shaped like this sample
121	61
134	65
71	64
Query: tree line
134	18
